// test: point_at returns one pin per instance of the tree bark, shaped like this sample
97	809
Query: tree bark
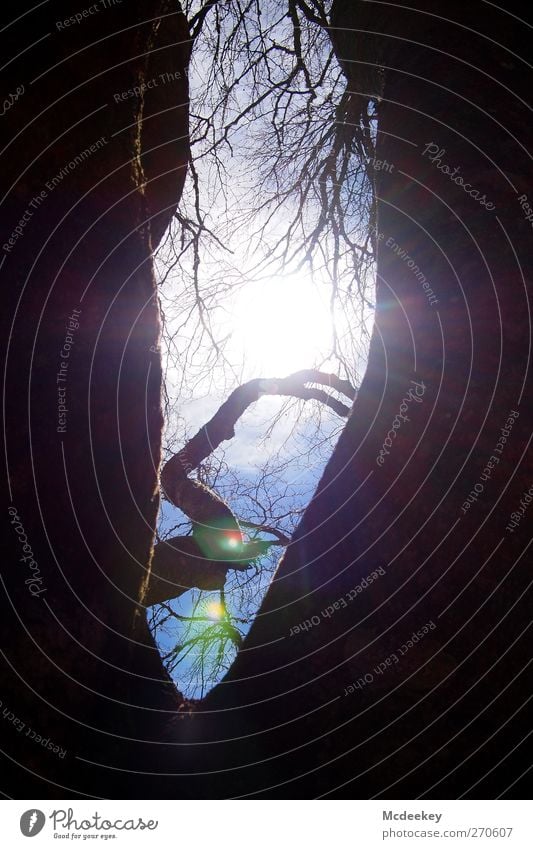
450	717
180	564
94	154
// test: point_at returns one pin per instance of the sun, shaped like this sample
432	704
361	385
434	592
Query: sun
280	325
214	610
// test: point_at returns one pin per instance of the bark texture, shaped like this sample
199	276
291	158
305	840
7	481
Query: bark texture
93	162
449	718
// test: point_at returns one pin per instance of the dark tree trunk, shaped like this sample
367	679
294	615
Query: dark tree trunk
449	717
83	416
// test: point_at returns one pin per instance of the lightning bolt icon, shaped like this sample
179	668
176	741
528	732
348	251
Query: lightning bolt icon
33	820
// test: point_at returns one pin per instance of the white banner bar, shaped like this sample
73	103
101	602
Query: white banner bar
203	824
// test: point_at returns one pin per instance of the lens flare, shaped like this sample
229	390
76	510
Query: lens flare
214	610
233	540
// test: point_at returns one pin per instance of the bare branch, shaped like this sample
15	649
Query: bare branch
198	502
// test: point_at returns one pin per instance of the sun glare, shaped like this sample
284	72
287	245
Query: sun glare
280	325
214	610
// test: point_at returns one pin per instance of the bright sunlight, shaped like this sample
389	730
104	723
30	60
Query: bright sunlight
280	324
214	610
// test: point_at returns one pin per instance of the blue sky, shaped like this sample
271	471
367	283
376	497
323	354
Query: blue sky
253	311
290	487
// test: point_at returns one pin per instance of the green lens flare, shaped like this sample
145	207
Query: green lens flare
219	540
